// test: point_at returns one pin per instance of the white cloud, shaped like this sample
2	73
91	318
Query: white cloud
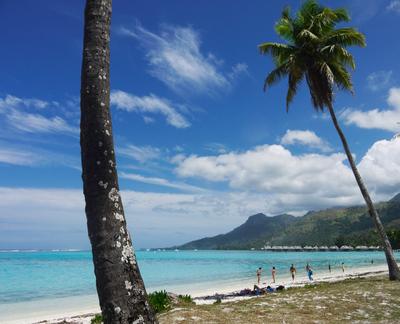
379	80
18	157
141	154
299	182
43	218
149	105
376	118
175	58
34	156
148	120
13	110
274	169
12	101
216	147
35	123
161	182
380	166
238	70
394	6
306	138
269	179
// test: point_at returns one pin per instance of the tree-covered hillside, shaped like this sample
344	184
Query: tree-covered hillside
334	226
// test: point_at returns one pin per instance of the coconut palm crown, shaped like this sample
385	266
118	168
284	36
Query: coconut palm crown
315	50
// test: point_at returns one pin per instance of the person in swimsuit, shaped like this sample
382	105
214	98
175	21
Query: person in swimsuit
273	274
309	272
293	271
258	273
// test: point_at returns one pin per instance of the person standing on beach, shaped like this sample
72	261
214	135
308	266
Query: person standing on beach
309	272
273	274
343	267
329	267
292	271
258	273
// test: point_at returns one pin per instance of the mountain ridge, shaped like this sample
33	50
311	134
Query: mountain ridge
331	226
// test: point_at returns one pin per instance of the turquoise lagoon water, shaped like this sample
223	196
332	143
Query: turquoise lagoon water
28	276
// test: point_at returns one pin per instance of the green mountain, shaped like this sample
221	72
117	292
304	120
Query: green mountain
333	226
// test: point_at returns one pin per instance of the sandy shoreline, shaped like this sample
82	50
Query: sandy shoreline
80	309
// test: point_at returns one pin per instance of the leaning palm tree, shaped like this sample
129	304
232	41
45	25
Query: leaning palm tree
120	287
315	50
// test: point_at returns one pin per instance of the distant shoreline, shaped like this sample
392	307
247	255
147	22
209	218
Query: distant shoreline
285	249
272	249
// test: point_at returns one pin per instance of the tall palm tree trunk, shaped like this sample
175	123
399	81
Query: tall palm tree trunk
120	287
394	272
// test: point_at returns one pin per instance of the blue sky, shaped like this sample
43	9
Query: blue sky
200	146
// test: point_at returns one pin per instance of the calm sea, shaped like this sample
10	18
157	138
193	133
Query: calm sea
38	275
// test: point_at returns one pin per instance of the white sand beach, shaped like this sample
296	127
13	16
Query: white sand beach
80	309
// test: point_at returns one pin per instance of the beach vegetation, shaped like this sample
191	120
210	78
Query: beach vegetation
185	299
98	319
160	301
316	51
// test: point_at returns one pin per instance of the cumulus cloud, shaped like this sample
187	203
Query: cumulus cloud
175	58
149	105
388	119
274	169
299	181
380	166
13	110
379	80
306	138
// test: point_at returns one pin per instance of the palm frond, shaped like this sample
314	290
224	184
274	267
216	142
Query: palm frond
294	80
345	37
284	28
306	35
275	76
341	15
342	77
339	53
280	52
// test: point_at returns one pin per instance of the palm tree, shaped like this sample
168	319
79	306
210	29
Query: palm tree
315	50
120	287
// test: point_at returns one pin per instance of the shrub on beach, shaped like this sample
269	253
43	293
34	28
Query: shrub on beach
186	299
98	319
160	301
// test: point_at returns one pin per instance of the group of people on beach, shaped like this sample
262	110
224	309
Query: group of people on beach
292	270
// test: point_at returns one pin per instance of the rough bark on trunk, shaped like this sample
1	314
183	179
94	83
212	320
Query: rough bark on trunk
394	272
120	287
